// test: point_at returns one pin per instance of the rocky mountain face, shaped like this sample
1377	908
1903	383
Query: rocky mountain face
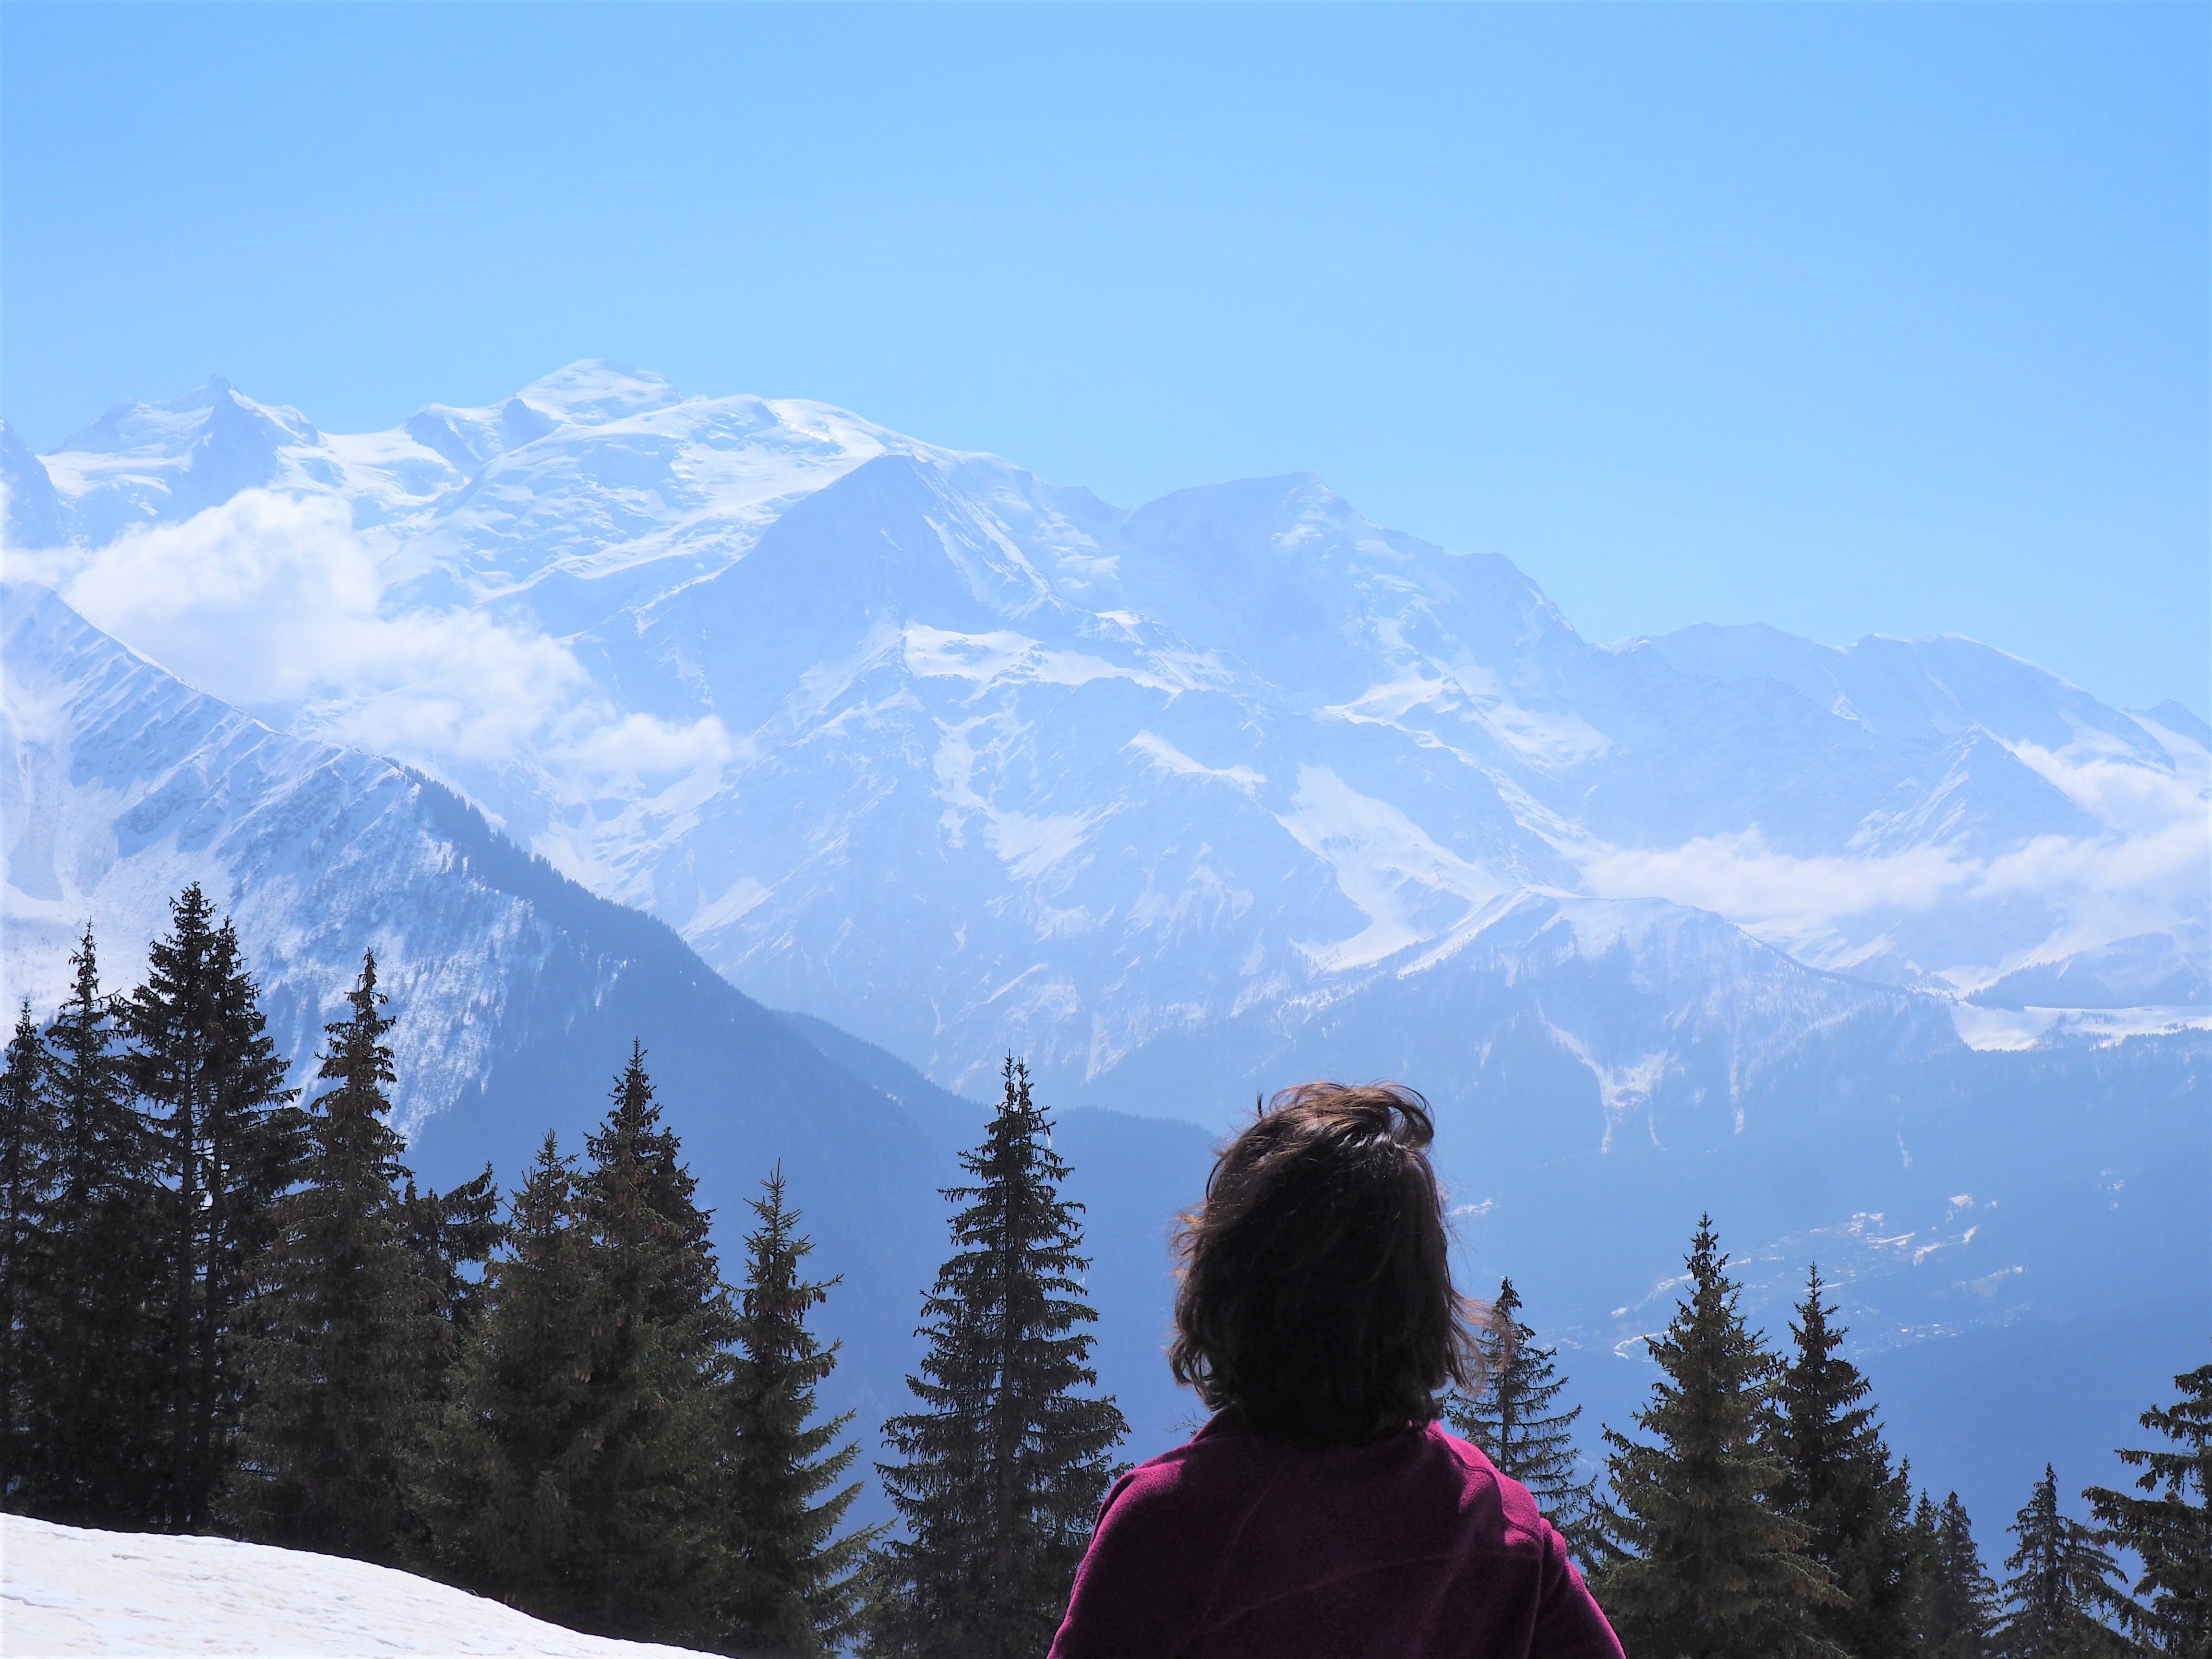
1893	952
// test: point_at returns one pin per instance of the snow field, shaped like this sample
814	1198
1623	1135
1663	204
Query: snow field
72	1591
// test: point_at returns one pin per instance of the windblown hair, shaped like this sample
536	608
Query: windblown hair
1317	1291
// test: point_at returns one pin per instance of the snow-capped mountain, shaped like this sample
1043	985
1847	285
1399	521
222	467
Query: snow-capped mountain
1892	953
966	762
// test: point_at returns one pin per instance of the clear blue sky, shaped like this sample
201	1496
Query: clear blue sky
1847	318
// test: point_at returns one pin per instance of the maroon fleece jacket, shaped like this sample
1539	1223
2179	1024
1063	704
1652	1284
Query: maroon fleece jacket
1413	1546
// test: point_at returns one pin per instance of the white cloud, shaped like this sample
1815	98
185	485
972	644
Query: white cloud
2147	874
276	603
1740	877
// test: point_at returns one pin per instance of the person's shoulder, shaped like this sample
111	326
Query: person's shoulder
1484	1490
1219	1465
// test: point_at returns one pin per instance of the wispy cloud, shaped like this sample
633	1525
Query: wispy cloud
2146	871
276	603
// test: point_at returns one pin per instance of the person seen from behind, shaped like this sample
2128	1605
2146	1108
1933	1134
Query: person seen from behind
1322	1511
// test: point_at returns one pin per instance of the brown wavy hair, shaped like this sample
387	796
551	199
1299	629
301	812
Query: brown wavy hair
1317	1291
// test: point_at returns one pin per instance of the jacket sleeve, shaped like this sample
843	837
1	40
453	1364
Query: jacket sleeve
1142	1590
1569	1623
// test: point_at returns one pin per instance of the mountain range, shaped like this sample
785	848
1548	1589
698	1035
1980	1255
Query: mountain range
610	712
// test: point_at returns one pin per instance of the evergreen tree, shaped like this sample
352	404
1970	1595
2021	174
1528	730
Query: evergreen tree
1953	1604
25	1137
580	1469
226	1143
1515	1424
347	1363
2059	1579
446	1233
95	1449
1837	1482
2169	1530
1003	1469
657	1547
1713	1570
798	1584
513	1446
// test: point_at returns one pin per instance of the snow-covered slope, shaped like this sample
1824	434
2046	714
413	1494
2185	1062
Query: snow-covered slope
74	1590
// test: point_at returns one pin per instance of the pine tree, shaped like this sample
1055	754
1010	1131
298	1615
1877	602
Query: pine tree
513	1446
1514	1423
2058	1580
446	1232
94	1377
1713	1570
349	1323
1837	1482
26	1143
580	1470
2169	1530
1952	1607
225	1142
1003	1469
798	1585
657	1547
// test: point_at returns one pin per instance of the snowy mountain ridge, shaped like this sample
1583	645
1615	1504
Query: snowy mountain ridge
965	762
1892	954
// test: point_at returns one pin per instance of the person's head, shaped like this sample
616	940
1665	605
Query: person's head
1317	1291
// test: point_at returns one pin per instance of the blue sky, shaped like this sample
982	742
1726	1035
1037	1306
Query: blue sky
1849	319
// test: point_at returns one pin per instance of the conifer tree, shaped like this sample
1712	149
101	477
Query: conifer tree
1713	1570
1837	1482
26	1134
446	1231
2058	1580
1003	1468
657	1549
1515	1423
512	1447
1953	1604
226	1143
798	1585
94	1376
579	1471
344	1366
2169	1528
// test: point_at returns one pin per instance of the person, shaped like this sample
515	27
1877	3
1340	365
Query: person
1322	1511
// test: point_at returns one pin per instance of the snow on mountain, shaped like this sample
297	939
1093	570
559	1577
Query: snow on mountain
1094	777
517	994
77	1590
965	761
1180	803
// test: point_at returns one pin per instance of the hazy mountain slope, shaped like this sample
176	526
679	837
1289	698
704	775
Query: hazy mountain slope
1101	777
518	993
1191	801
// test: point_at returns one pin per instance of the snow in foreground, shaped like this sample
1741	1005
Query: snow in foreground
64	1590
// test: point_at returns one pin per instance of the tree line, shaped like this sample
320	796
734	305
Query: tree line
228	1310
1761	1515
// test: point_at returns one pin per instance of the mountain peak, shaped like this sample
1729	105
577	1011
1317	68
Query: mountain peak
593	391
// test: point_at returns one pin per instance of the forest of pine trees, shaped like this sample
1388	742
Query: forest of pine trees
229	1311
